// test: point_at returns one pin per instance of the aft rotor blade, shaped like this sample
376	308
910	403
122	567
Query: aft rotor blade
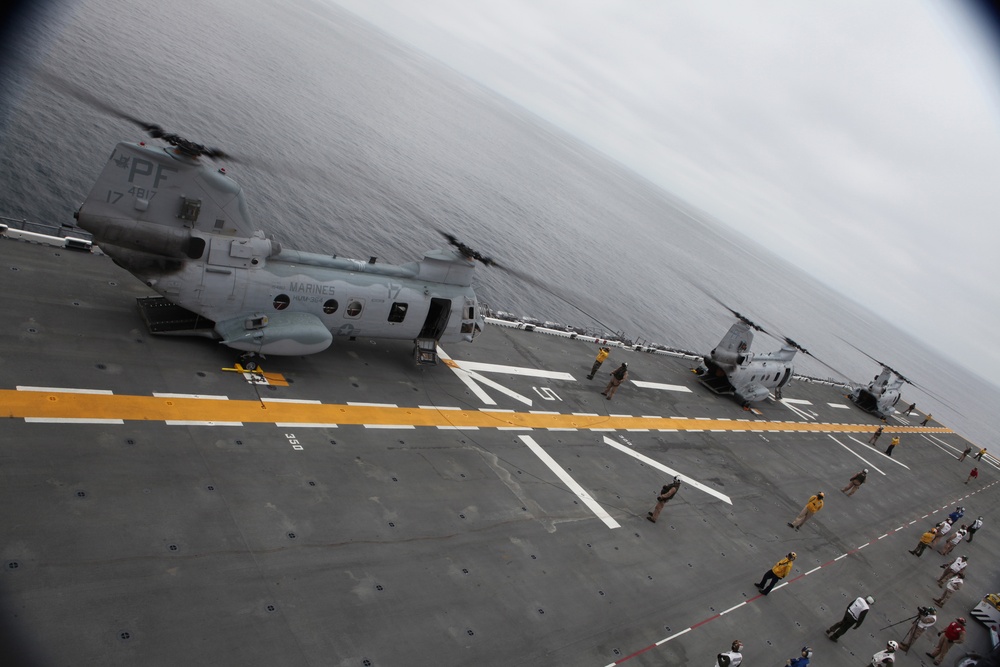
91	100
738	315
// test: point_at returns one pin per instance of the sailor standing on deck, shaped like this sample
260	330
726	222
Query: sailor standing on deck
618	376
776	573
855	615
732	657
666	493
856	482
814	505
976	525
892	445
602	354
876	435
926	618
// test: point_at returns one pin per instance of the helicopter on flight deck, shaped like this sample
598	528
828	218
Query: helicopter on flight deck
880	396
183	228
732	369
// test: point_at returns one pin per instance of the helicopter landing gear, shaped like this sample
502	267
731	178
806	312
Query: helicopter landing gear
251	360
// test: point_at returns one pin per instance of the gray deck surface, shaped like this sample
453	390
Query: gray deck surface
143	543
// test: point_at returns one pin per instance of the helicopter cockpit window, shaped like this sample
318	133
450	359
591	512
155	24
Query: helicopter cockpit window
281	302
354	308
330	307
398	312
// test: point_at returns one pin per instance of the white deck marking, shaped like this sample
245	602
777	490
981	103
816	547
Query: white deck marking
476	377
439	407
659	385
670	471
207	397
390	426
797	401
71	420
839	405
65	390
466	378
870	464
458	428
513	370
570	482
307	401
373	405
801	413
940	444
194	422
304	425
474	386
883	455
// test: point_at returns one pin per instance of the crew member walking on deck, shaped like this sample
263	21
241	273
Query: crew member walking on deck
779	571
892	445
802	660
958	565
814	505
926	419
941	530
925	541
855	615
886	657
911	408
876	435
950	587
618	376
953	634
976	525
979	456
965	453
666	493
856	482
957	537
973	474
926	618
602	354
732	657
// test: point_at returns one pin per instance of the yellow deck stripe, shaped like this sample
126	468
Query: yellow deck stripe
22	404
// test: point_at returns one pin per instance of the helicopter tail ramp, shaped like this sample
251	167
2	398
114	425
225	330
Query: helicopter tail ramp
718	383
164	318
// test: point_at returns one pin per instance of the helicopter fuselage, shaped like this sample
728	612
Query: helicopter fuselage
183	229
731	368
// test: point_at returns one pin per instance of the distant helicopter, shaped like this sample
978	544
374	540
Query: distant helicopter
183	228
732	369
880	396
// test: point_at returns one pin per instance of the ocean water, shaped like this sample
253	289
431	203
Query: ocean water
357	145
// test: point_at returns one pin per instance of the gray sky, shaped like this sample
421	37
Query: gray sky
859	140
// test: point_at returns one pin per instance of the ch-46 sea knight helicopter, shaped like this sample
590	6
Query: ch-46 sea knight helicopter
732	369
880	396
182	227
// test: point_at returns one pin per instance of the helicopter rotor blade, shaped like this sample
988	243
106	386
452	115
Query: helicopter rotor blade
738	315
153	130
470	253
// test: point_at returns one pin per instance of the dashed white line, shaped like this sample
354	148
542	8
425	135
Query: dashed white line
207	397
65	390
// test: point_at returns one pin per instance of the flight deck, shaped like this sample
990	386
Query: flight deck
354	508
